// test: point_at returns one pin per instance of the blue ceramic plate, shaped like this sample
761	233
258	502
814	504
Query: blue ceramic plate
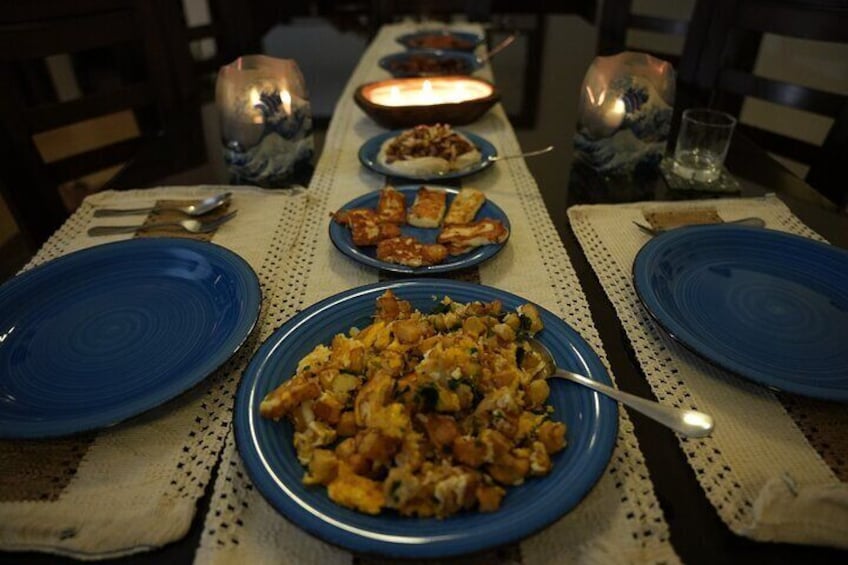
95	337
370	150
766	305
269	456
441	39
437	62
341	236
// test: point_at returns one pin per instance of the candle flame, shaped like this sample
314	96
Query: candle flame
255	101
286	99
427	92
394	94
618	107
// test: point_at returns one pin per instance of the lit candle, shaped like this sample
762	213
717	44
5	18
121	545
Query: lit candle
254	101
428	92
614	115
286	99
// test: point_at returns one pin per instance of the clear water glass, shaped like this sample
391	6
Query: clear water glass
702	144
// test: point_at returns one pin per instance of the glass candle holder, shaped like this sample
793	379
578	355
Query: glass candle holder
625	112
266	121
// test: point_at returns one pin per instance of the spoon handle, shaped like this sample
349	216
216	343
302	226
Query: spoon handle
689	423
497	48
525	154
109	212
111	230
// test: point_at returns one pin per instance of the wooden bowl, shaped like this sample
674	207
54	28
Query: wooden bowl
453	113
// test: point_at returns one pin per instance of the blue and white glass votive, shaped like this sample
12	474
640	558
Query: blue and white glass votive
266	121
626	104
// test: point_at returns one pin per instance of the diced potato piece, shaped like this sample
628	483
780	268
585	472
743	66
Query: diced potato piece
410	331
469	451
390	308
347	424
552	435
441	430
356	492
474	326
489	497
327	408
533	323
510	469
537	393
285	397
375	394
322	468
540	461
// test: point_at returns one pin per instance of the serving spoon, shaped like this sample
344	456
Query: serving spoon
547	149
485	57
195	209
689	423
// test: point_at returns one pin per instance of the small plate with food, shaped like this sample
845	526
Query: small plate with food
430	62
370	419
441	39
427	153
420	229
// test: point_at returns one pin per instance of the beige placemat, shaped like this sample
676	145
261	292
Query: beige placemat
134	487
774	471
620	519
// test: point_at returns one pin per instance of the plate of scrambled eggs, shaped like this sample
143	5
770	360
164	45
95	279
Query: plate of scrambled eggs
407	419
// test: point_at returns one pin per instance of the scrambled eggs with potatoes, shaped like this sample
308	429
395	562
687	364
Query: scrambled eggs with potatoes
427	414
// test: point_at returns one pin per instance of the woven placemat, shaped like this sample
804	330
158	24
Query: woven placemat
774	469
134	486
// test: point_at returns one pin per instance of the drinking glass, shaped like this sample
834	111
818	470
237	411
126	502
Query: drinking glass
702	144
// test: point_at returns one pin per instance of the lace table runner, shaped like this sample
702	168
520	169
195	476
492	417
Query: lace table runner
620	519
134	487
775	467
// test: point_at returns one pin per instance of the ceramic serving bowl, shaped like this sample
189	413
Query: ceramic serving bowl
405	102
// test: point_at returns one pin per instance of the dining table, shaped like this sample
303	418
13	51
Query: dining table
172	484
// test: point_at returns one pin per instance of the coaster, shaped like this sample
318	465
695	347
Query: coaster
724	184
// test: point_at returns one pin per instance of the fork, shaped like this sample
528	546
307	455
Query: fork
193	226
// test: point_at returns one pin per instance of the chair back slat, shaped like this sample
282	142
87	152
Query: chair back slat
54	115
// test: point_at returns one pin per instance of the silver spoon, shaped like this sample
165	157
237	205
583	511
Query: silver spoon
485	57
196	209
547	149
689	423
752	221
193	226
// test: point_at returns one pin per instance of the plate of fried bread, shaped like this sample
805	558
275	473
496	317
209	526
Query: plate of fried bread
420	229
427	153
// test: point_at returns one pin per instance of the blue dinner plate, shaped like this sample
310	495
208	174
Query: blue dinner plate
370	150
766	305
342	239
468	62
270	458
97	336
469	41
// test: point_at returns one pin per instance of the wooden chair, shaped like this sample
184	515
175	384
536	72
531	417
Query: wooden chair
617	19
130	56
723	59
